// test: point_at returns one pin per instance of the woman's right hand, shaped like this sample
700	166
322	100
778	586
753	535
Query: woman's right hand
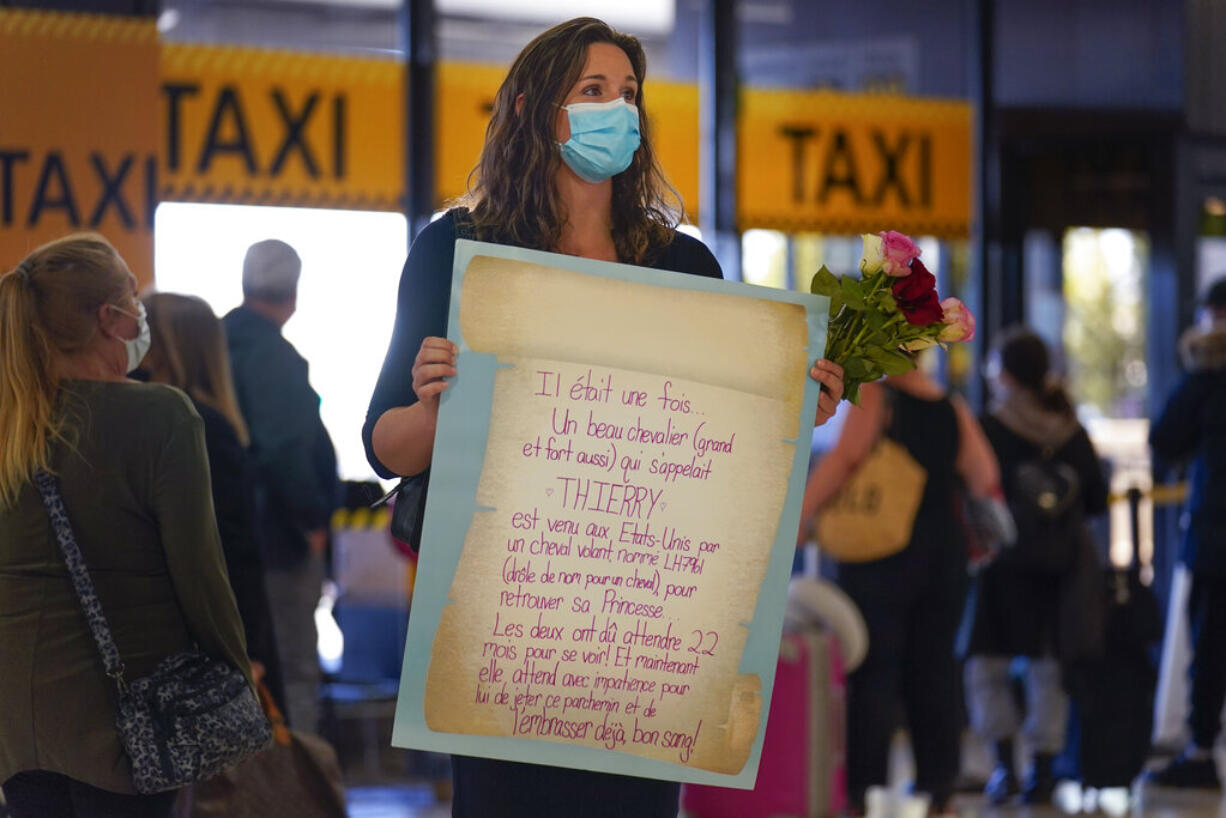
435	363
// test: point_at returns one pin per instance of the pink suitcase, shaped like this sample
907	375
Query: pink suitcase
802	771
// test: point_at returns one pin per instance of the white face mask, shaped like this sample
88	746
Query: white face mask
137	347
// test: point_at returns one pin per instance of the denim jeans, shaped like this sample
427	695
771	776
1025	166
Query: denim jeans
1207	607
993	708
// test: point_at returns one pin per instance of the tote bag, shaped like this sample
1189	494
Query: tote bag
298	776
872	515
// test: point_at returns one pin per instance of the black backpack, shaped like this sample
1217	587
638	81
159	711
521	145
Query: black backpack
1046	504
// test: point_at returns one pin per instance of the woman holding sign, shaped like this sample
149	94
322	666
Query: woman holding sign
567	167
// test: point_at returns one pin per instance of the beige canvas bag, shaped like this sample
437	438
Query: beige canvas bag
872	515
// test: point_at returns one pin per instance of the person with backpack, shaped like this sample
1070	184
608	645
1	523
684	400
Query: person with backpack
1193	425
1052	481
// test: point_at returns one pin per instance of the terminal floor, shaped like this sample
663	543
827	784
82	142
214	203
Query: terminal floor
418	802
394	787
1147	804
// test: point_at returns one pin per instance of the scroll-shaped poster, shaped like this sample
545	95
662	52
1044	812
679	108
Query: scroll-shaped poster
611	519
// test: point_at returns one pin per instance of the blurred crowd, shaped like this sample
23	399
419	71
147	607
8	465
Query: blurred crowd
1026	628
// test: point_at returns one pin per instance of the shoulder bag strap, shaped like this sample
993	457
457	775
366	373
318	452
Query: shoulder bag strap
888	399
49	488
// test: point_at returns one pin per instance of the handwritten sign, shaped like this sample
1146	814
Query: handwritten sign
611	518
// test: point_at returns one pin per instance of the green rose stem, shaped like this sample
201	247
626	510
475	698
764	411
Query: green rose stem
855	344
878	280
865	329
834	343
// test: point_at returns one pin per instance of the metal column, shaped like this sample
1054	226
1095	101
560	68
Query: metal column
717	120
421	54
985	233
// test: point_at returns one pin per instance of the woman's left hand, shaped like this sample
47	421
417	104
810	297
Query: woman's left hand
830	376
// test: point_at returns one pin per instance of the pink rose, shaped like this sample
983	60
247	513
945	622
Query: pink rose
899	252
959	323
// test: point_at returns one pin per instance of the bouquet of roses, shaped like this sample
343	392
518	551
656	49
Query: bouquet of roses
891	310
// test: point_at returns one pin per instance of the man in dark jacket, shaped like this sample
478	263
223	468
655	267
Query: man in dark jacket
295	460
1193	424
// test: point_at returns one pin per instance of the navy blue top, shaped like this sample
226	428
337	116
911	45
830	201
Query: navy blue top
1193	425
485	788
294	457
424	303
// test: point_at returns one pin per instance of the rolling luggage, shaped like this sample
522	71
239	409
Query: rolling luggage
1114	690
801	774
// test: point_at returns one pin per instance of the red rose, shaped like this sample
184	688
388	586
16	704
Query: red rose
916	295
916	285
928	311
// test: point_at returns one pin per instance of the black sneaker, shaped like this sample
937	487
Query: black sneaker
1040	784
1002	786
1187	773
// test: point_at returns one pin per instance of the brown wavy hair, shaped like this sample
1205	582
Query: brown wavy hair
1024	355
511	192
189	352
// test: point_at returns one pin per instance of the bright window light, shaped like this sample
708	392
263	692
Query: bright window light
690	230
351	263
764	255
930	251
634	16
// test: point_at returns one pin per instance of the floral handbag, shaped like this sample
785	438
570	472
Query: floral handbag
188	720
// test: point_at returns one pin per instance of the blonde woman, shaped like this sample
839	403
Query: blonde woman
189	352
131	463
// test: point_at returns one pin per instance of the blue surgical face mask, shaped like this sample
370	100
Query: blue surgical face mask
603	138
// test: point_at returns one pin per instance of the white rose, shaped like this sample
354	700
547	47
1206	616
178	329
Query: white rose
874	254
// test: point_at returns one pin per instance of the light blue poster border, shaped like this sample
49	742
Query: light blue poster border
459	453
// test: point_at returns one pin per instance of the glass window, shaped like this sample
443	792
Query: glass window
351	263
638	16
764	258
1104	326
1105	273
1211	244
